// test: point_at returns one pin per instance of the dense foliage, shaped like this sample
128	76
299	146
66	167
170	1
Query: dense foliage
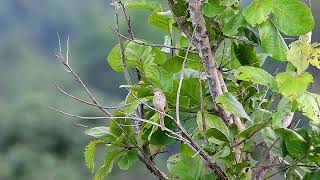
230	118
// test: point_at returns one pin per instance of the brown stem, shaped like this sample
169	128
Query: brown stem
207	56
123	61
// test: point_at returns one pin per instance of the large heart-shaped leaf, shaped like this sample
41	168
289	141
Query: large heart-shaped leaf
292	17
292	85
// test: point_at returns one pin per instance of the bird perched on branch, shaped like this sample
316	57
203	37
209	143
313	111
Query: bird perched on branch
160	103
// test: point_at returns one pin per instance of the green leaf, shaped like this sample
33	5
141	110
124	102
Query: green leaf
295	144
126	160
139	54
158	56
190	88
115	129
231	27
272	42
128	108
256	75
185	150
284	107
309	103
89	153
299	53
258	11
172	100
228	2
159	77
109	158
180	8
246	54
224	152
217	134
187	73
212	8
291	85
251	130
292	17
98	132
260	115
185	168
231	104
215	122
144	4
227	14
162	20
173	65
114	58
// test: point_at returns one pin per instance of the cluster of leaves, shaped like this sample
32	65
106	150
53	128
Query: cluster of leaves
263	101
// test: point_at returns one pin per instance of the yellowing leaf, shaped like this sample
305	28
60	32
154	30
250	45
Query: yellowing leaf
299	53
291	85
309	103
315	56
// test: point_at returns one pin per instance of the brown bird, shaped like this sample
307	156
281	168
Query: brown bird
160	103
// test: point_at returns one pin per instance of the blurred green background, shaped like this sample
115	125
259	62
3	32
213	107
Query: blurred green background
35	142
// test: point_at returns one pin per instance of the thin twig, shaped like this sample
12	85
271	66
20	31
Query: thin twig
123	60
114	118
144	156
128	20
152	45
180	84
86	102
203	116
78	79
81	125
244	140
150	107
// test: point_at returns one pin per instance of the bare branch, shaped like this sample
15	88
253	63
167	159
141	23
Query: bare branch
144	156
86	102
78	79
128	20
115	118
152	45
123	61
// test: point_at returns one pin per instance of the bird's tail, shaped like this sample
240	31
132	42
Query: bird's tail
162	125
